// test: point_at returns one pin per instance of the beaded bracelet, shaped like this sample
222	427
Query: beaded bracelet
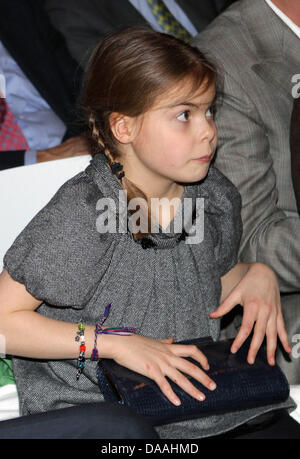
81	358
108	331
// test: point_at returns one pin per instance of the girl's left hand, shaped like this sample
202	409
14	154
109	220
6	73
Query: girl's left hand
258	293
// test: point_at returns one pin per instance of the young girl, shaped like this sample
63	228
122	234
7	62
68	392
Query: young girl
148	99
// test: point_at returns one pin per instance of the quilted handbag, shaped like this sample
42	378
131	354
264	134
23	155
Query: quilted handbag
239	385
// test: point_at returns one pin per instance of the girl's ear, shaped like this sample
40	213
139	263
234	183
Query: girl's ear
123	127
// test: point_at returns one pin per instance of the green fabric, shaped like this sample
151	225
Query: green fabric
6	372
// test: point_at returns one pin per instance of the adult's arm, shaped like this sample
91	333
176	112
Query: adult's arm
75	146
269	236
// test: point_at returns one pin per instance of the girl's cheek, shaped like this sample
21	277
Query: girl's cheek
170	160
177	162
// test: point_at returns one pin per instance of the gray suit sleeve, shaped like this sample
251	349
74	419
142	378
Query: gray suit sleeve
75	21
85	23
269	235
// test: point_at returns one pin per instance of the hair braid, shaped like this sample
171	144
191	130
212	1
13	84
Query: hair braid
96	135
96	132
132	190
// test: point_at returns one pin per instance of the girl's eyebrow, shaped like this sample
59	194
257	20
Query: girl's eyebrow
190	104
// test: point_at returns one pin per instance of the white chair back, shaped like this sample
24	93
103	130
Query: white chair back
25	190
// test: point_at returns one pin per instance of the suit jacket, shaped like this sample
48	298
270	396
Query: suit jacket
258	54
41	52
295	148
85	22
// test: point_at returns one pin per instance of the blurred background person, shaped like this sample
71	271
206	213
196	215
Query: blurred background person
256	45
37	117
84	22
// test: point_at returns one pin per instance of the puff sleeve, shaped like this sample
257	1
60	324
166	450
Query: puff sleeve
59	256
222	206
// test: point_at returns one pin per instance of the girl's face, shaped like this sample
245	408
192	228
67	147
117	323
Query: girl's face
177	137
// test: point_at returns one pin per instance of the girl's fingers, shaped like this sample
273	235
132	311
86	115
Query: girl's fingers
271	334
190	369
166	389
191	350
227	305
176	363
258	336
282	333
183	382
245	330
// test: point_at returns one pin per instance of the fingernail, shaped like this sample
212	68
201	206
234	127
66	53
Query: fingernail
201	397
176	401
251	360
212	386
233	350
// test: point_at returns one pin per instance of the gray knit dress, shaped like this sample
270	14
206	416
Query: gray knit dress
167	289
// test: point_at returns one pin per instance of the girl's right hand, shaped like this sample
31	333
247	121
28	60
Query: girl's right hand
158	358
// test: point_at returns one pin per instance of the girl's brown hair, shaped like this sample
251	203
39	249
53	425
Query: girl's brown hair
126	73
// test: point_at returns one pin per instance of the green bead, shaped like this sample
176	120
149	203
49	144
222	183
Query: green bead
81	327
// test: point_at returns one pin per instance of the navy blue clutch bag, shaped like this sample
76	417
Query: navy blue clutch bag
239	385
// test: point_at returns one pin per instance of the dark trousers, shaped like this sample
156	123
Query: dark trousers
95	420
109	420
9	159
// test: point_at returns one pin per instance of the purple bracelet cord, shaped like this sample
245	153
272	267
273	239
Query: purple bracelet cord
108	331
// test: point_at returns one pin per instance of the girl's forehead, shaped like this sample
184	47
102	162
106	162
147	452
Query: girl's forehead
182	93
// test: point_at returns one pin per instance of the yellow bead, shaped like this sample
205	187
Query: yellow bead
81	327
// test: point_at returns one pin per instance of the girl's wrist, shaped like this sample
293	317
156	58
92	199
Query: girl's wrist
105	343
107	346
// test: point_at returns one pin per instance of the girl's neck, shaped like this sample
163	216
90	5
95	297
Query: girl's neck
151	184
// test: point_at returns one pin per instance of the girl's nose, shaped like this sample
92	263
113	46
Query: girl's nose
208	131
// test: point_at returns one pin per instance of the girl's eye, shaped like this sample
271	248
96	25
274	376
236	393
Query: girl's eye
184	116
210	112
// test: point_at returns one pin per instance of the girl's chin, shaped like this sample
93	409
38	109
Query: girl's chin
194	174
200	175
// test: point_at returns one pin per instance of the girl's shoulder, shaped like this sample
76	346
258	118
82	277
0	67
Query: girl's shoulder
79	192
219	188
59	255
223	222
